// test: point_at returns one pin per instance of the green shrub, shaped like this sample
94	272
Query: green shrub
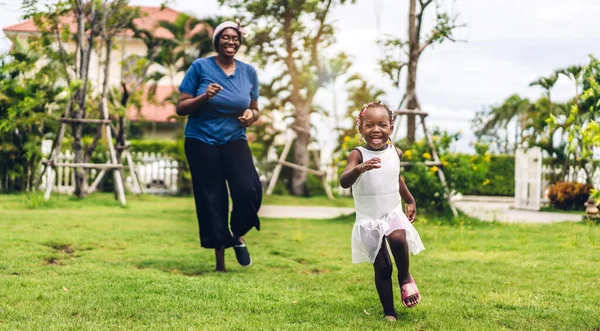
499	178
425	187
314	186
462	171
168	147
569	195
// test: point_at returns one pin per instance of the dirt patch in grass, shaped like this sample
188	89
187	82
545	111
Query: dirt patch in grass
51	260
64	248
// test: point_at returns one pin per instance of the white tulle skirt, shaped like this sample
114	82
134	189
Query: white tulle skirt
367	235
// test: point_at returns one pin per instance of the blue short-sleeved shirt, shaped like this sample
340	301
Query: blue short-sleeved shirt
216	122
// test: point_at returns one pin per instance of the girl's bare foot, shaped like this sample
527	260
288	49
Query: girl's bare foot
391	318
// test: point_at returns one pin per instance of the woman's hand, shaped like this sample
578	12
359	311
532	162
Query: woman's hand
247	117
369	165
212	90
411	211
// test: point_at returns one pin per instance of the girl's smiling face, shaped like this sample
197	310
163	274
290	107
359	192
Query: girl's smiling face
376	127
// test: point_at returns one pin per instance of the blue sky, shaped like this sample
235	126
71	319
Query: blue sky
509	43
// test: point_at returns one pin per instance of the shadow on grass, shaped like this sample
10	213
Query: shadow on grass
176	267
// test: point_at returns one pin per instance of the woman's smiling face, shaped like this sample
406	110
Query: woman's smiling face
376	127
229	42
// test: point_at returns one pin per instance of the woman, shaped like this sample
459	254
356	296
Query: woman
219	95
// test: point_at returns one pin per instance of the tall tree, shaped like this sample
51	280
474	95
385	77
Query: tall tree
91	27
546	83
402	53
574	74
513	110
292	35
337	67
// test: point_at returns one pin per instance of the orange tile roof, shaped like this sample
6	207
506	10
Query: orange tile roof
149	21
155	111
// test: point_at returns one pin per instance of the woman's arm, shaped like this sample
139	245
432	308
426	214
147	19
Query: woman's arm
250	115
254	108
187	103
354	168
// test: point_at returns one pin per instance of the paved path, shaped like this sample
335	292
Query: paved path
485	208
500	209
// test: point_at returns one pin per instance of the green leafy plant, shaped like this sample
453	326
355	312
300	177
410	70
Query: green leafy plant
595	196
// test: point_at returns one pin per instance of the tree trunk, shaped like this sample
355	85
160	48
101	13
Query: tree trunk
301	147
412	102
78	158
80	98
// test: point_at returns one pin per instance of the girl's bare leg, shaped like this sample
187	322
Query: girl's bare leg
383	282
399	248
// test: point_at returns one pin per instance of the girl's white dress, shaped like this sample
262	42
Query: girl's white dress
379	207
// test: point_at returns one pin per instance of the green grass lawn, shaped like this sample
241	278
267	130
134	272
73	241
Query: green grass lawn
95	265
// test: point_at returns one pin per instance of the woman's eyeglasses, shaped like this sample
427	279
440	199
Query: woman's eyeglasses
230	38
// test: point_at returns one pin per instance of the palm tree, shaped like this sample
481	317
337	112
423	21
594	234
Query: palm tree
547	83
336	67
574	74
514	108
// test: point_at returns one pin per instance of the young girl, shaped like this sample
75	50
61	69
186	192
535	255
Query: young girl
373	171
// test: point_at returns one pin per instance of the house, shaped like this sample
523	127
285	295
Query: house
156	120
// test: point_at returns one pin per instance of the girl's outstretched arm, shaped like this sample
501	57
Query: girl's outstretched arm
354	167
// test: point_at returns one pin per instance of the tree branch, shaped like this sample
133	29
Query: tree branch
442	31
61	50
420	19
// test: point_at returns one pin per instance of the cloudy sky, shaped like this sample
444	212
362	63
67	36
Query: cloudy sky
509	43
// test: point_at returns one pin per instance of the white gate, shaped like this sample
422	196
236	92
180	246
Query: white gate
528	178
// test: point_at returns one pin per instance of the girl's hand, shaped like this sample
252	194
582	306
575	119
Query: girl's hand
212	90
247	117
411	211
369	165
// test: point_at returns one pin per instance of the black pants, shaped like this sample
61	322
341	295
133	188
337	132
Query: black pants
213	168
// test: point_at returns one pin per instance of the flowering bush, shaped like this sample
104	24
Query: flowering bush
463	172
569	195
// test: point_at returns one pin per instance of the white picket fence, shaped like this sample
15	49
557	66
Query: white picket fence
156	172
573	175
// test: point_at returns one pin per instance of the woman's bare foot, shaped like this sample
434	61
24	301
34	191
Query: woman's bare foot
391	318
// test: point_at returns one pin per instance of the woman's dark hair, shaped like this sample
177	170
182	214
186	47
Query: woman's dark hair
218	37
